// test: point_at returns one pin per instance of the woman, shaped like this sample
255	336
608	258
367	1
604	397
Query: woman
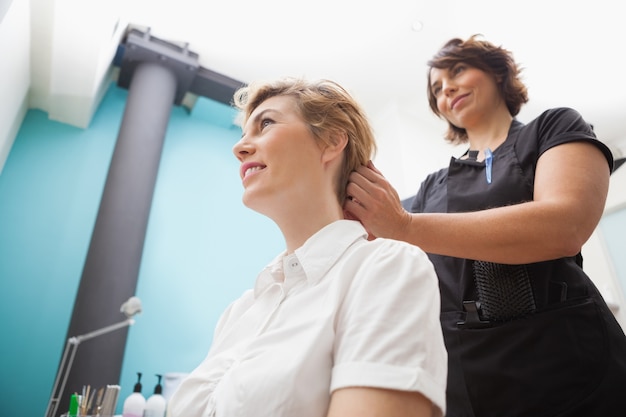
527	332
324	332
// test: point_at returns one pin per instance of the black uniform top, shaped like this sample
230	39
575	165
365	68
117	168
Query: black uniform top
533	339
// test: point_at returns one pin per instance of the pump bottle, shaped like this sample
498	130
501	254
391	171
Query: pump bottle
135	403
155	405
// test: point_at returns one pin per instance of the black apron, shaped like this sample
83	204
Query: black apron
553	357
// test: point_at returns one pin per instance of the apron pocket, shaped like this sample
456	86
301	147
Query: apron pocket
537	365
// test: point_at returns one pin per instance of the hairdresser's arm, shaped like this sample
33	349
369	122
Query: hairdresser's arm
571	184
375	402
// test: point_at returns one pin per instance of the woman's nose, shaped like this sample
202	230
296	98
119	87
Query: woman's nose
448	87
242	148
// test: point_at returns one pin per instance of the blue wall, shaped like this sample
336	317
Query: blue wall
202	249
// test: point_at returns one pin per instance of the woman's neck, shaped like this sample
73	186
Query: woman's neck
298	226
490	135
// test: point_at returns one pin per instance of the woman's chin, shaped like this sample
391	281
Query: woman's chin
252	202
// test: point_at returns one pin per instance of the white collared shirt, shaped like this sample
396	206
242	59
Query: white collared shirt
341	311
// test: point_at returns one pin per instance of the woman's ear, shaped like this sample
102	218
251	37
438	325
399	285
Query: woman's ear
334	149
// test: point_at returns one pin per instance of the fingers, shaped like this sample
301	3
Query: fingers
373	201
370	172
358	196
365	189
353	209
365	180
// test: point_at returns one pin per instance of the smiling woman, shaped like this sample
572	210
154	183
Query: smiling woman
280	161
504	224
312	338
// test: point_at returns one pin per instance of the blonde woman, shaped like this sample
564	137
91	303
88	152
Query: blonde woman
336	325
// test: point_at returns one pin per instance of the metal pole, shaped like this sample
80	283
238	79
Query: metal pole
114	256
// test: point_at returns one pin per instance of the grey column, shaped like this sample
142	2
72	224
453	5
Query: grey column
112	265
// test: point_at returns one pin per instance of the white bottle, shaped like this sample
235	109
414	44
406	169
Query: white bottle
155	404
135	403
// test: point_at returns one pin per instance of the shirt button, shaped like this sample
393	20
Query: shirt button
294	265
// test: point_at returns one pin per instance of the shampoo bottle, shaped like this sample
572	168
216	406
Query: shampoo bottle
155	405
135	404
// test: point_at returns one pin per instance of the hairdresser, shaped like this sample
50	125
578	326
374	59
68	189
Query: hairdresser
526	330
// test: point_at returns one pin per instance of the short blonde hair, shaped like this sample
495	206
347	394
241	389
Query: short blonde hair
327	108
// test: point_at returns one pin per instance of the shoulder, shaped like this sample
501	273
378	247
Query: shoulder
565	118
388	257
560	125
436	177
432	189
567	112
552	123
387	269
390	248
395	284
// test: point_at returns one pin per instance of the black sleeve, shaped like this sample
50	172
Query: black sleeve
558	126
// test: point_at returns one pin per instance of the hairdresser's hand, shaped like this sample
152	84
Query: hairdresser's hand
375	203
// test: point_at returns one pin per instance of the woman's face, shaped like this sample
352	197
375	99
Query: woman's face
464	94
280	158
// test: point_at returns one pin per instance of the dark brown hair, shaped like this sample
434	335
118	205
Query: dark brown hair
487	57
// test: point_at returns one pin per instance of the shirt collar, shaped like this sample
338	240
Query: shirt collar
316	256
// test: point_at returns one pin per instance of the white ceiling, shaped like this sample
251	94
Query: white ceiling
572	52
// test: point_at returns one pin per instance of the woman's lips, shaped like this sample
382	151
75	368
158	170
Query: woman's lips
249	168
454	102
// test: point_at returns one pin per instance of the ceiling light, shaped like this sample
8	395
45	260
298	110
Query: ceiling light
417	26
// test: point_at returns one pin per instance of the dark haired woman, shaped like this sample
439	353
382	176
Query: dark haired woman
527	332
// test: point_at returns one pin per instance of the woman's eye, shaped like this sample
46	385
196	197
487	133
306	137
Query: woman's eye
266	122
436	90
458	69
